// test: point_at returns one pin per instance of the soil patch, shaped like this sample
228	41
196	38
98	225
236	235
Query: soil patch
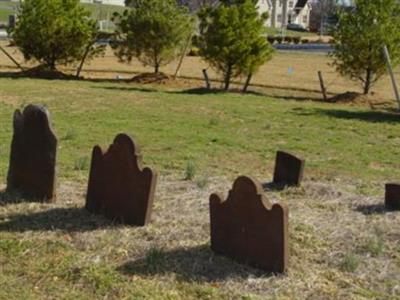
146	78
44	73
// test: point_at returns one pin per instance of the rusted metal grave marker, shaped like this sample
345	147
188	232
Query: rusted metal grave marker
249	228
32	170
119	187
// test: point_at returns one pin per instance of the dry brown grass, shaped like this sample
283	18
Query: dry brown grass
329	222
273	79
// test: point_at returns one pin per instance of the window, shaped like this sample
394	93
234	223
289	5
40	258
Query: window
291	3
279	18
305	19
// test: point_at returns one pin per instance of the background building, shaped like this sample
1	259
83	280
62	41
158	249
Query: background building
284	12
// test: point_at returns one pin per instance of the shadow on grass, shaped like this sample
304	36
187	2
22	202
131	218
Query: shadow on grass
190	264
128	89
273	187
372	209
65	219
368	116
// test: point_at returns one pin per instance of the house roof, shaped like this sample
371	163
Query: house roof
301	3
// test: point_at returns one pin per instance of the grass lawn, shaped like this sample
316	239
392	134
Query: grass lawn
342	244
277	32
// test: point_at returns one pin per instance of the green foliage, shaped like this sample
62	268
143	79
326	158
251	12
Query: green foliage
153	31
190	171
232	39
54	32
350	262
359	39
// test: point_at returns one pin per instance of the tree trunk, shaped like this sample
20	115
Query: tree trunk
78	72
156	68
368	82
228	77
247	83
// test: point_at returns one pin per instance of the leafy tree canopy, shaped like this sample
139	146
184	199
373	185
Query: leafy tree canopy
360	37
54	32
153	31
233	38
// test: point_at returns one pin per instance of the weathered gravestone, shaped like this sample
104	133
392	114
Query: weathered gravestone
33	155
249	228
118	186
392	196
288	169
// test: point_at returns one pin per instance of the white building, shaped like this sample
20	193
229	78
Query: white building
283	12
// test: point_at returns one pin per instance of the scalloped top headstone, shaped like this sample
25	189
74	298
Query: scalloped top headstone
119	187
249	228
33	155
288	169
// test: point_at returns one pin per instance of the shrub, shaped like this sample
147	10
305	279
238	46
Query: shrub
305	41
271	39
296	40
279	39
288	39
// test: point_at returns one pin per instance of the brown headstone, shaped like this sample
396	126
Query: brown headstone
288	169
249	228
392	196
119	187
33	155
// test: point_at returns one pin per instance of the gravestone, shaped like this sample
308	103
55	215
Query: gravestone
288	169
33	155
119	187
248	228
392	196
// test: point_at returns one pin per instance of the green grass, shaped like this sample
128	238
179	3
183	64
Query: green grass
177	127
338	249
277	32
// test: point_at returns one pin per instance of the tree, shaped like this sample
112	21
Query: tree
323	14
53	32
233	39
360	36
153	31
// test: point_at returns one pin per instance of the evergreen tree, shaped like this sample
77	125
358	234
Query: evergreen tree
360	37
233	39
153	31
53	32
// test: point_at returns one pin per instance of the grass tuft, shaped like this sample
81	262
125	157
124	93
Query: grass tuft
190	171
350	262
81	163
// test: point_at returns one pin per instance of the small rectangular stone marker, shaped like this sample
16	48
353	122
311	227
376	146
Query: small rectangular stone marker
119	187
288	169
392	196
249	228
33	155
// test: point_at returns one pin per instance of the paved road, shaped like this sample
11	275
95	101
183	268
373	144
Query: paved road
325	48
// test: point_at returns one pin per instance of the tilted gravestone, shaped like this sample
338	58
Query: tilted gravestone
288	169
392	196
119	187
33	155
249	228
